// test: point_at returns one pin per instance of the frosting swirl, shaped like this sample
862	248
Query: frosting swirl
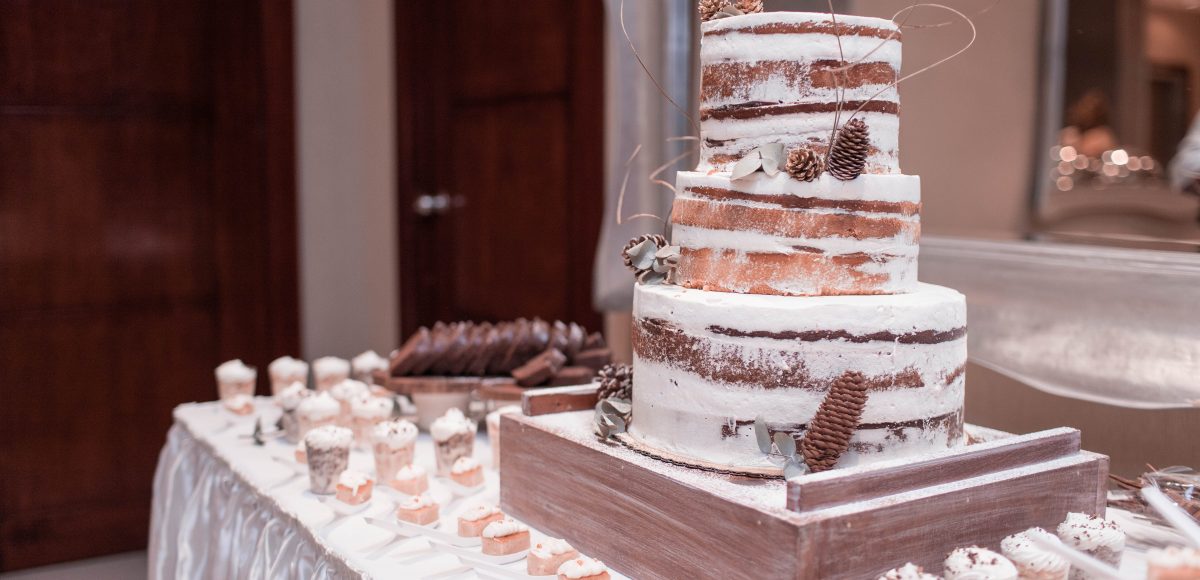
908	571
504	527
367	362
975	563
463	465
319	407
371	407
451	424
235	371
410	472
1032	559
353	479
582	567
329	437
394	434
550	547
331	366
416	502
349	389
479	512
1088	532
287	367
292	395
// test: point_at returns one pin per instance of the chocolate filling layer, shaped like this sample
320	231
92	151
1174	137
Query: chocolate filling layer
823	27
905	208
757	109
919	337
731	80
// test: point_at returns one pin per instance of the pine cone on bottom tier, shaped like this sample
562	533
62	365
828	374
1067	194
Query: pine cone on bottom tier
616	382
848	155
828	434
804	165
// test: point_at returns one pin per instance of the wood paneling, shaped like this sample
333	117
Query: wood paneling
147	232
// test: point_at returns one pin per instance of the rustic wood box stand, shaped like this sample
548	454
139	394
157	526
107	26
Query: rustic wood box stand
650	519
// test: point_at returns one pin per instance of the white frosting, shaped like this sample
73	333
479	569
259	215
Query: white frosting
975	563
1032	559
292	395
504	527
353	479
368	361
330	366
416	502
550	547
238	402
410	472
1173	557
1088	533
451	424
908	571
582	567
319	407
493	418
464	465
348	389
235	371
395	434
743	135
329	437
288	367
889	188
479	512
369	407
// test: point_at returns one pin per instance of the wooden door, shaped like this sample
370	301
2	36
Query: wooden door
500	136
147	232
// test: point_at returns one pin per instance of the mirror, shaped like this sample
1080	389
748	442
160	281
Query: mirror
1121	147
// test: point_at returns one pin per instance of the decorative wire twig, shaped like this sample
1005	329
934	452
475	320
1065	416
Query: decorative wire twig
645	68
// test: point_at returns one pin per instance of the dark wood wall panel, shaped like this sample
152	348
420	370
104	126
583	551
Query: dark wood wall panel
147	232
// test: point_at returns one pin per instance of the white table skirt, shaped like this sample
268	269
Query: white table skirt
226	508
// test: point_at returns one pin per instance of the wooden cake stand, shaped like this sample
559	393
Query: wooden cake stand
650	518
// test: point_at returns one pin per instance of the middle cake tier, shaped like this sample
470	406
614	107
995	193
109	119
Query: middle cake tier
708	363
778	235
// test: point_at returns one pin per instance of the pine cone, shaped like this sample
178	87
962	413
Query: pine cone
828	434
616	382
750	6
709	8
848	156
659	241
804	165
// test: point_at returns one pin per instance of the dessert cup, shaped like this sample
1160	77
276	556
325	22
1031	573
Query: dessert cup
289	400
345	392
453	438
1095	536
235	378
284	371
504	537
329	371
364	366
314	412
1032	562
328	450
978	563
393	444
547	556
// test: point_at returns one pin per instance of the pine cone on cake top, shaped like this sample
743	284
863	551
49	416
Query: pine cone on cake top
828	434
709	8
616	382
804	165
750	6
848	155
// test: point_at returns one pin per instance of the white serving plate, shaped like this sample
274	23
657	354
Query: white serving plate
479	557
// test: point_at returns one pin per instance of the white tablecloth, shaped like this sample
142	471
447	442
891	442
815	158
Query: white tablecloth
226	508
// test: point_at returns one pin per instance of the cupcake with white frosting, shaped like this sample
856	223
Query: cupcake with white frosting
289	399
1032	561
329	371
366	412
472	522
284	371
328	451
392	444
235	378
504	537
316	411
1173	564
583	568
546	556
344	393
1093	535
908	571
364	366
975	563
453	437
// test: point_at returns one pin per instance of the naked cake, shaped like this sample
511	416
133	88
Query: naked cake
799	270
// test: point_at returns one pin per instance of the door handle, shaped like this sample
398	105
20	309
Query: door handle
427	205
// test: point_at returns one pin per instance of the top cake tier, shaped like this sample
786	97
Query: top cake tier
772	77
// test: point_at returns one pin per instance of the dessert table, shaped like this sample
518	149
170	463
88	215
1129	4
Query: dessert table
224	507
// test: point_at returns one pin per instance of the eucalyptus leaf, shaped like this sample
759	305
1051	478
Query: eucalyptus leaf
794	469
650	277
785	444
762	435
642	254
770	168
746	166
621	406
772	152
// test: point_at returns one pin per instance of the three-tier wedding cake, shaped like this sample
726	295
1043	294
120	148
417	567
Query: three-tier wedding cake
787	283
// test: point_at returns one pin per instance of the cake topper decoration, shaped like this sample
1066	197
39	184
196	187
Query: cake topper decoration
804	165
848	155
713	9
828	434
769	158
652	260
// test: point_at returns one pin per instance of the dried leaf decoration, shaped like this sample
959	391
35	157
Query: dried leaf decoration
612	417
762	435
651	259
770	158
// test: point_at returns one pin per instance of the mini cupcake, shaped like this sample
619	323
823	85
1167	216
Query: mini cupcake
1093	535
908	571
363	366
467	472
289	400
329	371
410	479
235	378
418	509
472	522
328	450
453	437
365	413
316	411
583	568
546	556
1173	564
393	444
1032	562
284	371
493	430
344	393
354	487
975	563
239	404
504	537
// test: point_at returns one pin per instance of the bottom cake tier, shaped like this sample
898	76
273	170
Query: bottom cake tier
706	364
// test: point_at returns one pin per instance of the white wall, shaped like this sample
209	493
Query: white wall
345	127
